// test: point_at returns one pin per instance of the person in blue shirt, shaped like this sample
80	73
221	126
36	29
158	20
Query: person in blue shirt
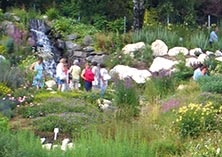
213	36
199	72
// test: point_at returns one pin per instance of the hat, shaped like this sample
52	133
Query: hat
76	61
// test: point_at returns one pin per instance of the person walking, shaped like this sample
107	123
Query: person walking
104	77
213	37
88	77
75	71
96	72
38	80
60	75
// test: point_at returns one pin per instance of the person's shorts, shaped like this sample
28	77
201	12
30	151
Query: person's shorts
59	81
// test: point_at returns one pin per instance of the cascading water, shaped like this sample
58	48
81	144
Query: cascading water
43	45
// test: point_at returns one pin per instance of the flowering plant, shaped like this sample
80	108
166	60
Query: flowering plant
196	118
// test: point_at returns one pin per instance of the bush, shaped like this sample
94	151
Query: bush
196	119
3	123
52	13
159	86
211	84
126	98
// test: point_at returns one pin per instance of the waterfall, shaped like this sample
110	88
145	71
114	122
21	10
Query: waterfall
43	45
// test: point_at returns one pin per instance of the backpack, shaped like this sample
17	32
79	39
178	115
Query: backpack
89	76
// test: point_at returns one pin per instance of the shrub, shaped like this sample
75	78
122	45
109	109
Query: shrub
163	148
126	98
52	13
211	84
195	119
200	40
159	86
4	89
3	123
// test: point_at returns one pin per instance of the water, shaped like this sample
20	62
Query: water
44	47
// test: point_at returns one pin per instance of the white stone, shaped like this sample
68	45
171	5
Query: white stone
192	61
50	84
55	146
139	76
70	145
131	48
160	63
202	57
218	59
64	144
47	146
218	53
195	50
43	140
159	48
209	53
176	50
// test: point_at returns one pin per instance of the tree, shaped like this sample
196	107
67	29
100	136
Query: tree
138	14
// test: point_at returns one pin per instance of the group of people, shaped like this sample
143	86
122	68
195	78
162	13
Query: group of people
94	78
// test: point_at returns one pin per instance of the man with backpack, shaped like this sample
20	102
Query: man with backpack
88	77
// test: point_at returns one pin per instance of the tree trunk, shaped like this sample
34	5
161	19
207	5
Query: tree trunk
138	14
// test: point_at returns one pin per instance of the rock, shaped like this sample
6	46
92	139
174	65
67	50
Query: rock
99	58
139	76
43	140
50	84
60	44
72	37
192	61
64	144
87	40
16	18
218	53
47	146
202	57
131	48
195	52
176	50
159	48
2	58
72	46
88	49
160	63
209	53
218	59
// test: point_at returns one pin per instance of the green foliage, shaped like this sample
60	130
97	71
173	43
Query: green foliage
214	66
20	144
195	119
2	50
211	84
116	25
10	76
100	22
164	147
52	14
3	123
207	145
126	98
182	72
199	39
4	89
159	87
144	55
151	33
63	25
9	46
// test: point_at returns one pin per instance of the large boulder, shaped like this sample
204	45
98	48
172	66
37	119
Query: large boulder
218	53
159	48
195	52
176	50
202	57
139	76
131	48
160	63
192	61
72	46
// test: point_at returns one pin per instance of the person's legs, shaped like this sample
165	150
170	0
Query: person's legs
88	85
